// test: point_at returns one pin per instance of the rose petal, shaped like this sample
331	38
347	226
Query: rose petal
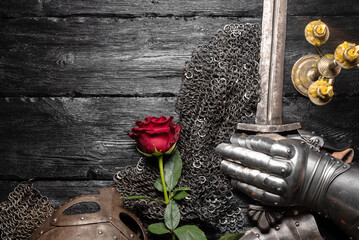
133	135
158	122
147	129
177	131
155	133
160	130
139	123
148	142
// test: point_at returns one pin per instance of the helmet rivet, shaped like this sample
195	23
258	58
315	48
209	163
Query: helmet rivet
82	218
100	232
277	228
297	224
131	235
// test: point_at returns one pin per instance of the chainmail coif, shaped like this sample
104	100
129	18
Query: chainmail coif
220	87
24	211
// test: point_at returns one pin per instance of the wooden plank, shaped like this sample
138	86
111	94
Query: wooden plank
67	56
338	120
71	138
131	8
131	57
139	8
85	138
58	192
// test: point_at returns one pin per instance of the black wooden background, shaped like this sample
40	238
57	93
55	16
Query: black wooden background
75	75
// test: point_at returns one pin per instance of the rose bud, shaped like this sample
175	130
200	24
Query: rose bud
156	136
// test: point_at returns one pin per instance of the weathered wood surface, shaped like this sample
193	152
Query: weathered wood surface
71	138
127	57
86	138
140	8
99	55
129	8
58	192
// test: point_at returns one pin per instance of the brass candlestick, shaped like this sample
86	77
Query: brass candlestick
313	75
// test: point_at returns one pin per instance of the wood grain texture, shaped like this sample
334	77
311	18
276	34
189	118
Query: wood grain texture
58	192
86	138
131	8
138	8
82	56
71	138
66	56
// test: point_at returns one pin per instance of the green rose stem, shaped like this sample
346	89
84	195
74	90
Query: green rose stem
160	163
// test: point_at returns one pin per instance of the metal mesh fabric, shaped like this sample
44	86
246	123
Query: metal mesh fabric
220	87
24	211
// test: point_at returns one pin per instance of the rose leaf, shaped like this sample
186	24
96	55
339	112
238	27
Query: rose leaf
158	228
172	169
181	189
189	232
172	215
180	195
158	185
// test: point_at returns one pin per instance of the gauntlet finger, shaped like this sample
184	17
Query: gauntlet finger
264	145
258	194
254	177
255	159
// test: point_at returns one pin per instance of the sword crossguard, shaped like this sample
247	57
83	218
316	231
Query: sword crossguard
313	75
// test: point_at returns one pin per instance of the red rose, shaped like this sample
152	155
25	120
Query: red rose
156	134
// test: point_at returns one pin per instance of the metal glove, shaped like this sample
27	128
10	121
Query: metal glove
279	172
289	172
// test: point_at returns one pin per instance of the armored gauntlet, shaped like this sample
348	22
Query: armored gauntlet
289	172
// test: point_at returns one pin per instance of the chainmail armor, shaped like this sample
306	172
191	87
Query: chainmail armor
24	211
220	87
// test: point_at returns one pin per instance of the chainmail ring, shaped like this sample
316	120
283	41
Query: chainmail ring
220	87
24	211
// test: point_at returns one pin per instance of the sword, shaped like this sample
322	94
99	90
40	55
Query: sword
269	109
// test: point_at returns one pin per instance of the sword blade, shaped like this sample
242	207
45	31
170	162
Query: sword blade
269	109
